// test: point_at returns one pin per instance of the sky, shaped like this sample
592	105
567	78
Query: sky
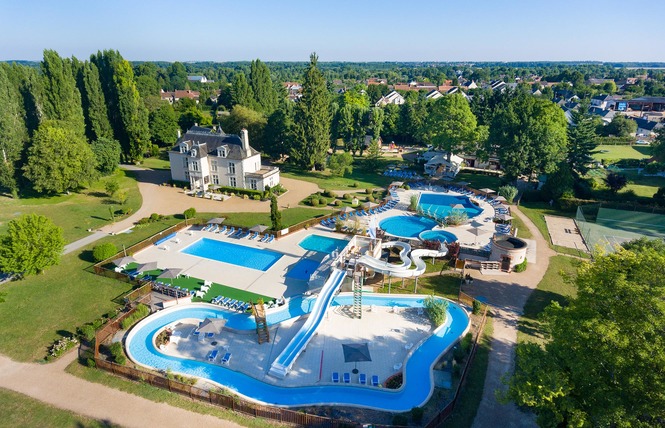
339	30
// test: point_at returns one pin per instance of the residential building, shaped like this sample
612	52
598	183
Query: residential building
601	101
392	98
376	81
173	96
439	164
646	127
606	115
200	79
434	95
204	157
470	85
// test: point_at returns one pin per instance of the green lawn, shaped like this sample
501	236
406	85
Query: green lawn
480	181
522	230
18	410
75	212
446	285
553	287
41	308
536	212
158	162
622	152
290	216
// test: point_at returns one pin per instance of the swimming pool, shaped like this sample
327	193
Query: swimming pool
303	269
438	235
406	226
440	205
239	255
416	390
322	244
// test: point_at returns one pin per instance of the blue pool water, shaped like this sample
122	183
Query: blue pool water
406	227
438	235
322	244
417	386
303	269
440	205
239	255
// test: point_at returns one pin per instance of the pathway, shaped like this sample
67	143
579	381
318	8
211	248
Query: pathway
507	294
50	384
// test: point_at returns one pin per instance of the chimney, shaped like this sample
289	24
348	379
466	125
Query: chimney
244	137
179	134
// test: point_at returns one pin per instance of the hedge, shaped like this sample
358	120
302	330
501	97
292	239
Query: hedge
240	191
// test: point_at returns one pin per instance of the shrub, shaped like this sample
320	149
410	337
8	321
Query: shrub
90	363
87	332
370	198
437	310
338	202
190	212
126	211
115	349
521	267
407	187
323	201
466	342
329	194
111	187
142	311
571	204
355	184
256	197
413	202
477	305
155	217
104	251
60	347
400	420
347	196
417	414
237	191
457	217
369	190
509	192
314	201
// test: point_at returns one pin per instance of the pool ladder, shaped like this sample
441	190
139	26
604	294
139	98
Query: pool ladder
262	331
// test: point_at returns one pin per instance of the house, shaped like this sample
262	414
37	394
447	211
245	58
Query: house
415	86
606	115
200	79
439	164
497	85
392	98
376	81
434	95
646	127
601	101
293	89
204	157
448	89
173	96
470	85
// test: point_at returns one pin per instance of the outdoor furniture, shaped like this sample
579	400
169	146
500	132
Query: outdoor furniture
209	335
375	380
335	377
362	379
226	358
212	355
397	366
347	377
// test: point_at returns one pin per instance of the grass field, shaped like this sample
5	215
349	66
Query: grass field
290	216
553	287
18	410
536	212
480	181
360	176
41	308
622	152
76	212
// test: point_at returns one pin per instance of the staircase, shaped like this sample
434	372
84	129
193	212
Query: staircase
357	293
262	331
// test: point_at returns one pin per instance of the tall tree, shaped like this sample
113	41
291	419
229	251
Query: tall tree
277	133
602	364
275	214
452	126
658	146
13	134
97	123
135	133
241	92
177	75
529	136
32	244
59	159
163	124
582	141
62	99
312	120
243	117
263	89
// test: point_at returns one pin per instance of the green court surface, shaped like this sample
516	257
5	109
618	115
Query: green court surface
613	227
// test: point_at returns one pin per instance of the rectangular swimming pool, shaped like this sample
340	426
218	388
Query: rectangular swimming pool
322	244
234	254
440	205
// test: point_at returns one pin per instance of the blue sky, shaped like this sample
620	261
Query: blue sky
340	30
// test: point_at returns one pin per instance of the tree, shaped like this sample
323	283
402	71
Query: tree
97	123
177	75
452	126
13	134
104	251
192	116
135	135
112	187
107	155
340	163
657	146
275	214
62	100
621	126
59	159
529	136
312	120
265	96
602	363
190	213
582	141
374	154
163	125
32	244
508	192
277	132
245	118
615	181
241	92
559	183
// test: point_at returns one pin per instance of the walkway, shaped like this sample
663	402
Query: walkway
507	294
50	384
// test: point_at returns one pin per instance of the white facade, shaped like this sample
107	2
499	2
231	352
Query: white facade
204	158
392	98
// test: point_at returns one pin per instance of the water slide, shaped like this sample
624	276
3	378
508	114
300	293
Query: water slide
402	270
283	363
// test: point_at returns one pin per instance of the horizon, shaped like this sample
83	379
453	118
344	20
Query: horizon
343	31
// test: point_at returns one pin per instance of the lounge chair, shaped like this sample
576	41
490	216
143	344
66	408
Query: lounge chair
212	355
272	238
347	377
362	379
335	377
222	230
226	358
231	231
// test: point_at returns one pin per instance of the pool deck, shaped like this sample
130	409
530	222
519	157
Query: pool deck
387	333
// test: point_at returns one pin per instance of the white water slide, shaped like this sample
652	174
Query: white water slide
402	270
283	363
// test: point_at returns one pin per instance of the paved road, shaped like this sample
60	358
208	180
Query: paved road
50	384
507	294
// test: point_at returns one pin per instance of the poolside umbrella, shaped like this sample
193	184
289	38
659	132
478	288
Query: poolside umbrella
457	206
478	232
504	217
124	261
476	223
259	228
212	325
463	183
396	184
369	205
146	267
347	210
216	220
487	191
170	273
354	352
500	199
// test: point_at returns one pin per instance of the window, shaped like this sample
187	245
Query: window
232	168
232	182
195	166
215	179
221	152
213	165
185	163
183	148
252	184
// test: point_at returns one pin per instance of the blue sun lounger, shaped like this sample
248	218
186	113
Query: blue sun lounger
226	358
375	380
347	377
335	377
212	355
362	379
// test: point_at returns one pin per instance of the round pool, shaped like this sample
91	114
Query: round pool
438	235
407	226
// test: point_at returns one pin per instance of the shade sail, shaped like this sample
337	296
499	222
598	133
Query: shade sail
355	352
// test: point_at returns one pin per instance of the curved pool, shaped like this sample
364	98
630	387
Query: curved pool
407	226
418	379
438	235
440	205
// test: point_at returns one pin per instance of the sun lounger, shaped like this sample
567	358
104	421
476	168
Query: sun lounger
231	231
212	355
222	230
375	380
272	238
335	377
209	335
362	379
226	358
347	377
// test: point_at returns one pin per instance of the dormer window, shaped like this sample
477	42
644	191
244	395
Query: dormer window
193	152
221	152
183	148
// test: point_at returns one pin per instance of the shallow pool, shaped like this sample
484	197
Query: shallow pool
438	235
407	226
303	269
440	205
239	255
322	244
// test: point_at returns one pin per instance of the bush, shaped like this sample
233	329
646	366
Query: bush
238	191
521	267
314	201
60	347
190	212
104	251
323	201
437	310
571	204
126	211
329	194
90	363
413	202
155	217
509	192
407	187
111	187
417	414
347	196
142	311
400	420
466	342
355	184
477	305
87	333
370	198
256	197
369	190
457	217
338	203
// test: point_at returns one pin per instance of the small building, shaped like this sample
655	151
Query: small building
646	127
393	97
606	115
470	85
434	95
509	251
601	101
200	79
204	157
440	166
173	96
